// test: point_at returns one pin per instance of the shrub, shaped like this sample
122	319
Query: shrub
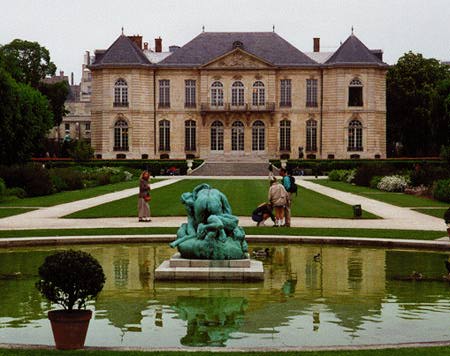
445	154
335	175
70	278
341	175
2	189
425	174
33	178
16	192
393	183
351	176
81	151
441	190
66	179
103	178
366	172
374	182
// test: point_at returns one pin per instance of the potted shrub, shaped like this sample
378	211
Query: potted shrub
447	220
70	278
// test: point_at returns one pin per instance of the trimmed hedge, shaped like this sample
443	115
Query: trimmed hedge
154	166
441	190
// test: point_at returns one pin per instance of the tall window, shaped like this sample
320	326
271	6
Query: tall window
311	135
237	94
217	136
285	92
120	93
164	93
285	135
237	136
259	94
190	135
355	93
355	131
164	135
189	93
121	136
217	94
258	136
311	92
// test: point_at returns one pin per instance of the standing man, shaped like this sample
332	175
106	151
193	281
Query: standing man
287	182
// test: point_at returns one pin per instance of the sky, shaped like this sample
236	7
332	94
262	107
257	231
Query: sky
69	28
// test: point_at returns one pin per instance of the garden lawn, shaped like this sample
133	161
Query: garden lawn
5	212
293	231
398	199
70	196
243	195
426	351
439	213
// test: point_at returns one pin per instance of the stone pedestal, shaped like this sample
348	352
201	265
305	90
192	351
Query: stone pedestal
178	268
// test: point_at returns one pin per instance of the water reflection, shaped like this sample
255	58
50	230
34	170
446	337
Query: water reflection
311	295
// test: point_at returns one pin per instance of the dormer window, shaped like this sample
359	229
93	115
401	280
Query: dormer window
355	93
238	44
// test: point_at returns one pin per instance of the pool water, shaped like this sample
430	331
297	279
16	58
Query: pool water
312	295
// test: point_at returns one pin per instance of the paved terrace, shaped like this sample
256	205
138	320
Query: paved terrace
393	217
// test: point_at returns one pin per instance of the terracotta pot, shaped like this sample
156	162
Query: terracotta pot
69	328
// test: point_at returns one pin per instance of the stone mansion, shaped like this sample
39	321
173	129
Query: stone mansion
239	96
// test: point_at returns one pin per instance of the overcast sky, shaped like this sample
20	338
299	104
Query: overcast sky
69	28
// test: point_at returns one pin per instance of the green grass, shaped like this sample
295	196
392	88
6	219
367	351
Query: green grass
243	195
439	213
398	199
428	351
5	212
70	196
293	231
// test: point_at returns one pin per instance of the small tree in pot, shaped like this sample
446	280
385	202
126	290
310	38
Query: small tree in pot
70	278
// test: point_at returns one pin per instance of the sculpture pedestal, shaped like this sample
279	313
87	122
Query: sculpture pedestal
178	268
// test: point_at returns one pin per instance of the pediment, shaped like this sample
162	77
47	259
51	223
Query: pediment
237	58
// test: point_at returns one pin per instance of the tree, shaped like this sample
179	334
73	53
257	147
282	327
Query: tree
27	62
56	93
412	102
25	119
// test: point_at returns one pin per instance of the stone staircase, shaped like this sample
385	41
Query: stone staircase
232	169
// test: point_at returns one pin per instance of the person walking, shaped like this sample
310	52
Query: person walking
278	197
288	183
144	197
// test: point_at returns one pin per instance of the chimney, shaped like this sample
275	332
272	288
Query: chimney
173	48
145	46
137	40
377	53
158	44
87	58
61	74
71	78
316	46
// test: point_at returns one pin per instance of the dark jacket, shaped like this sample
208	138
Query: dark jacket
144	188
258	213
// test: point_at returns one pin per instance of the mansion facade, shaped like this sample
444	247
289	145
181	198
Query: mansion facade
245	96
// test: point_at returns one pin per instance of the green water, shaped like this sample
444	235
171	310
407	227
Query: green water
348	296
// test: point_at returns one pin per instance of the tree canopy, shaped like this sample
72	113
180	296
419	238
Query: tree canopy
27	62
57	95
25	118
418	103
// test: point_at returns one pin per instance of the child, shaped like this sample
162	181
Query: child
278	198
262	213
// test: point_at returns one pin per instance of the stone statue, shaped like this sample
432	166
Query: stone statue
211	232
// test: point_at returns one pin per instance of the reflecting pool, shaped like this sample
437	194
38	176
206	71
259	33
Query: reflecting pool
311	295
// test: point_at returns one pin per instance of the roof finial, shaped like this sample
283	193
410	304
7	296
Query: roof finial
273	28
122	30
352	30
203	28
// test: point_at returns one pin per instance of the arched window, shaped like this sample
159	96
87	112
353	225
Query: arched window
355	93
120	93
285	135
258	94
258	136
217	136
164	135
355	132
237	94
121	136
237	136
311	135
190	135
217	94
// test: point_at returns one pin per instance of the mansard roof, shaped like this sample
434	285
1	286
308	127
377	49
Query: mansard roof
123	52
268	46
354	52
